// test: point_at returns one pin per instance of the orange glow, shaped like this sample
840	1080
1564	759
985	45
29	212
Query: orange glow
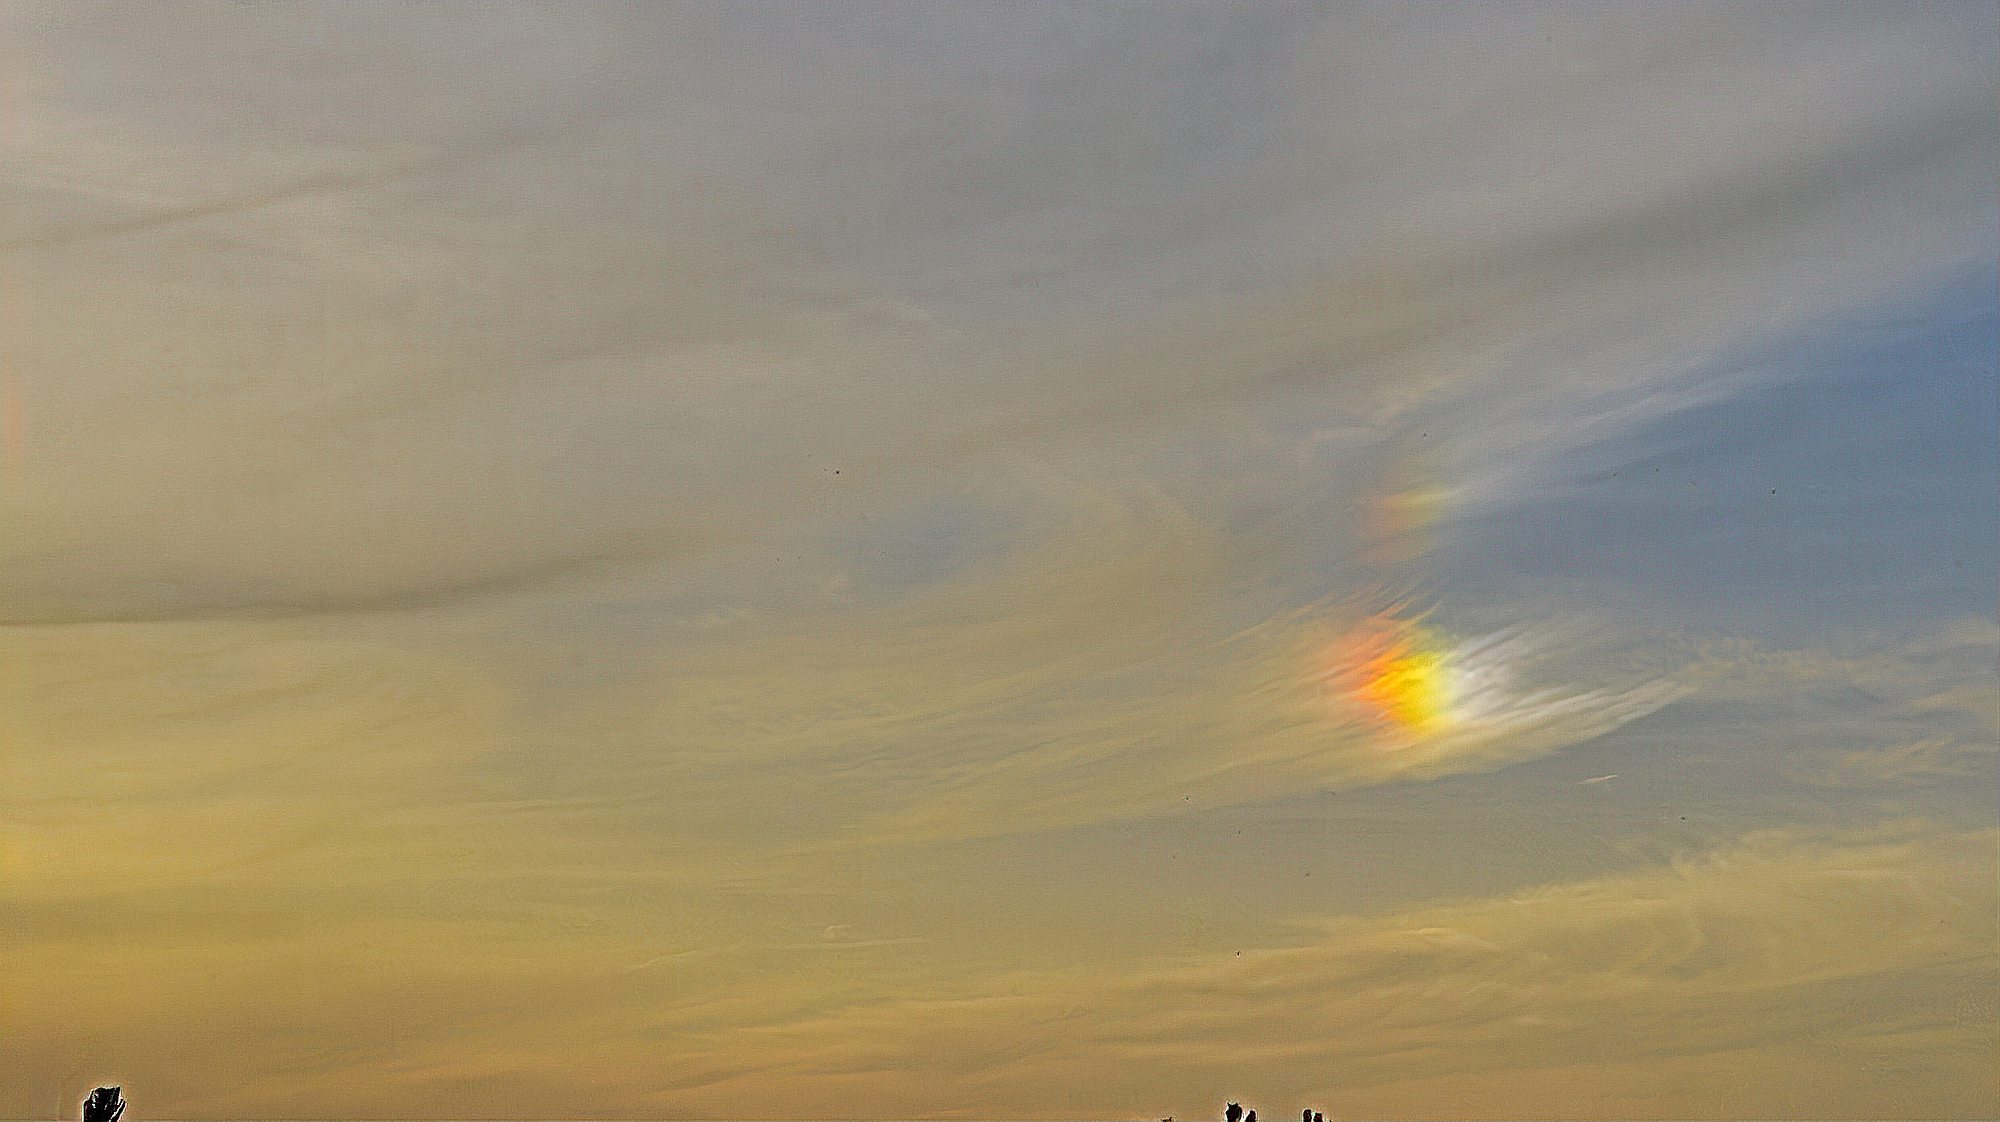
1396	673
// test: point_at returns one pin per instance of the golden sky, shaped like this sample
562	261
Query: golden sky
999	561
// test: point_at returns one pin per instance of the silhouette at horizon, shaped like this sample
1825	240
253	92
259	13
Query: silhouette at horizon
103	1105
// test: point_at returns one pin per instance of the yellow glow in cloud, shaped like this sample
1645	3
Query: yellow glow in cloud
1457	702
1395	674
1390	670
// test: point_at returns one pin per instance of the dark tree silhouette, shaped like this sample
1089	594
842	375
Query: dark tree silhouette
1234	1113
103	1105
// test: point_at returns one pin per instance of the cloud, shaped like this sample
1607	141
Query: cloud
1807	958
554	558
1071	674
279	811
501	372
1789	972
1864	711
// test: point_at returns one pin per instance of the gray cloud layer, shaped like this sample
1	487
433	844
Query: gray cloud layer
623	296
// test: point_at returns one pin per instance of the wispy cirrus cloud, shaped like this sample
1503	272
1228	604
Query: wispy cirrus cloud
1632	988
549	513
1378	264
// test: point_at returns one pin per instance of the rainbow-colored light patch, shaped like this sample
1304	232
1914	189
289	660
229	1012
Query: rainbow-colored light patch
1396	674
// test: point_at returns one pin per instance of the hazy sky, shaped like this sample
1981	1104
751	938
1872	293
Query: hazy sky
999	561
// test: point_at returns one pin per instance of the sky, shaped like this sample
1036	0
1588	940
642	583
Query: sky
1033	561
